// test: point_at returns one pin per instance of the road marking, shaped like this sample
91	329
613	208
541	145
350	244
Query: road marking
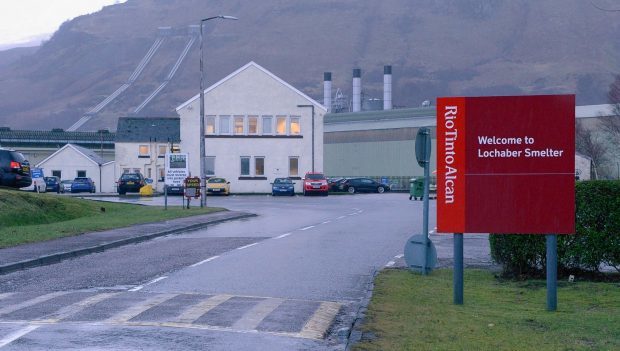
282	236
17	334
139	308
306	228
326	222
196	311
246	246
353	214
341	217
399	256
390	264
5	295
320	321
251	319
204	261
140	287
32	302
76	307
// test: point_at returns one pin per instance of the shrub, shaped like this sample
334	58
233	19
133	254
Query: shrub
596	242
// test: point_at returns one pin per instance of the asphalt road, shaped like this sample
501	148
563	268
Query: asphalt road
292	278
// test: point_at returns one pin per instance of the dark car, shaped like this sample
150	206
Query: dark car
130	182
334	183
282	186
367	185
83	185
52	184
14	169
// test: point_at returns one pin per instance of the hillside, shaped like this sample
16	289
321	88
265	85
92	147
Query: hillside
436	48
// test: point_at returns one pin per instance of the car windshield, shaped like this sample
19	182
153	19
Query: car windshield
217	180
315	176
80	180
135	177
282	181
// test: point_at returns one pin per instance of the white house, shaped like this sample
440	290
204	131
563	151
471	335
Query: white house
72	161
141	146
257	128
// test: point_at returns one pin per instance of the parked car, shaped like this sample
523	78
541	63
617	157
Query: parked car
334	183
38	181
130	182
218	185
355	185
65	185
52	184
83	184
282	186
14	169
315	183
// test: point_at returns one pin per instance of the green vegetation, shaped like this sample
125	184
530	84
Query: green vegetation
596	243
27	217
413	312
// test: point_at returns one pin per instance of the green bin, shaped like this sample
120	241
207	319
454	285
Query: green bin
416	188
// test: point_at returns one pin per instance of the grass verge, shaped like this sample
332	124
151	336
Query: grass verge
411	312
27	217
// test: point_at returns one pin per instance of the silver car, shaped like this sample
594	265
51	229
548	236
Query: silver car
65	186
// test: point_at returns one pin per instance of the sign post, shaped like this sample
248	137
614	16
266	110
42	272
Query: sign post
506	166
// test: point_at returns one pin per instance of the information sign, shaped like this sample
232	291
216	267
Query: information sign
506	164
177	169
192	187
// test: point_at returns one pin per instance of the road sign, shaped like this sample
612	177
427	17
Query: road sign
423	146
506	164
192	187
177	168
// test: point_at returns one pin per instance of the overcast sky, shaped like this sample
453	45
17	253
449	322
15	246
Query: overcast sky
25	21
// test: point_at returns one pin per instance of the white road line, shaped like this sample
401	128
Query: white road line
326	222
306	228
390	264
204	261
353	214
17	334
341	217
246	246
399	256
282	236
140	287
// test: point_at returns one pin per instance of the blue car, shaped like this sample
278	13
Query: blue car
83	184
282	186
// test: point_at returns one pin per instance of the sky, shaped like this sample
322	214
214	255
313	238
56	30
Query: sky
28	22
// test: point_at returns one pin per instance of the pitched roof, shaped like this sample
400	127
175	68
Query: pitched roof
259	67
89	154
143	129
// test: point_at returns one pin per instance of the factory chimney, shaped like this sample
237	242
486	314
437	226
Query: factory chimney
387	87
327	91
357	90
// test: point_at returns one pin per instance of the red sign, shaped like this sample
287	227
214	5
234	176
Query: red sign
506	164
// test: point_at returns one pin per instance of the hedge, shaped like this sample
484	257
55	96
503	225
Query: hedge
596	242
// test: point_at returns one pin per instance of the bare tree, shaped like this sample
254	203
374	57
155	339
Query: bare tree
588	144
611	124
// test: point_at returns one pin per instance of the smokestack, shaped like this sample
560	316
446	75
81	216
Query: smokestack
387	87
327	91
357	89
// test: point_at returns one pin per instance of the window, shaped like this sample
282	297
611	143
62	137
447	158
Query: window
56	174
224	124
245	166
239	125
293	166
259	166
281	125
162	150
252	124
126	170
210	122
210	165
143	150
267	125
162	173
295	127
81	174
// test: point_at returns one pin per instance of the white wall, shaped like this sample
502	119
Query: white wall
253	92
127	156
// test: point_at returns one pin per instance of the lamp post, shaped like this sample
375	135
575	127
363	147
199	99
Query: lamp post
203	180
312	107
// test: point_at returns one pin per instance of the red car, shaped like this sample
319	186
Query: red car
315	183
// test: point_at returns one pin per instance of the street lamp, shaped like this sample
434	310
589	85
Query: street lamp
311	106
203	180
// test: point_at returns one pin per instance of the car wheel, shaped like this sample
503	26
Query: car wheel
351	190
410	197
292	193
380	190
